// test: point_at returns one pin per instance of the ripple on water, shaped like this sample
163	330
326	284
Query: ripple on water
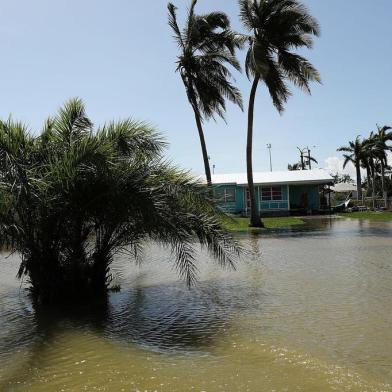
308	312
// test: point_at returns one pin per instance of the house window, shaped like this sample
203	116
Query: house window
276	192
269	193
266	193
229	194
225	195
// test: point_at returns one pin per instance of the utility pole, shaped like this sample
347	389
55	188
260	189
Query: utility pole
269	146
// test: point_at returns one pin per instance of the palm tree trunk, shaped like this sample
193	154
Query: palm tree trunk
255	220
359	185
374	189
384	195
368	181
203	147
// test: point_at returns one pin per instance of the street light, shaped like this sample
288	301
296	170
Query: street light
269	146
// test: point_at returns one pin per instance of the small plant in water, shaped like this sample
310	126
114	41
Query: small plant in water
71	198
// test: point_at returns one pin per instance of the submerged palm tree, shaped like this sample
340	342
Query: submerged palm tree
72	198
207	46
275	27
355	154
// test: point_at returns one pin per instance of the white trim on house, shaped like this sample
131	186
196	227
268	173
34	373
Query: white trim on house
295	177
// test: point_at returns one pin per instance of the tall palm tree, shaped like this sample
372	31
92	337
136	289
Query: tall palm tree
207	47
382	137
355	154
371	158
275	28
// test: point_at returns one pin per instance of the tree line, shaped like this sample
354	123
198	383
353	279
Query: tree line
275	30
371	154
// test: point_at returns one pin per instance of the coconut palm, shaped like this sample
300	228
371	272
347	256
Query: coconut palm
382	138
275	28
72	198
371	160
355	154
207	47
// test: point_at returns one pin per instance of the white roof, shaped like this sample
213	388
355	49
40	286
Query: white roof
344	187
317	176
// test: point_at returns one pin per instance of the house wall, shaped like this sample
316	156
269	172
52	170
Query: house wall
240	199
304	197
230	207
293	197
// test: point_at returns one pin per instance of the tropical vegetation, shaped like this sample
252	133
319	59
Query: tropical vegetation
275	28
305	160
355	154
371	155
73	197
207	48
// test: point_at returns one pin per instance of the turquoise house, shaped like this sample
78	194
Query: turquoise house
276	192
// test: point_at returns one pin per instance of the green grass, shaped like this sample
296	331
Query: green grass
385	216
242	224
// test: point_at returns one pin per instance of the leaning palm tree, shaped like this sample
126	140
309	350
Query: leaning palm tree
207	47
275	27
73	197
355	154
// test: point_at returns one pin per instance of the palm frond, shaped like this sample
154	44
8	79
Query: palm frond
71	199
174	25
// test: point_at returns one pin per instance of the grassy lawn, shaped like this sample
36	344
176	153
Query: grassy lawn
242	224
369	215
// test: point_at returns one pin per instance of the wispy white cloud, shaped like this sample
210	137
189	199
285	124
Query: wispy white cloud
335	165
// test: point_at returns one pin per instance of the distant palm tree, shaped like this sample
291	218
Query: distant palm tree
311	159
294	166
275	27
372	153
305	153
382	137
207	45
355	154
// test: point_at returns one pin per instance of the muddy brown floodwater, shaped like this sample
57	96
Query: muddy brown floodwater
308	310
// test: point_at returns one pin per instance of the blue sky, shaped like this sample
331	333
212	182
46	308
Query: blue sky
118	56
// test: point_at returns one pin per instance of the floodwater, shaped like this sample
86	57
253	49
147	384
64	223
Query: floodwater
308	310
